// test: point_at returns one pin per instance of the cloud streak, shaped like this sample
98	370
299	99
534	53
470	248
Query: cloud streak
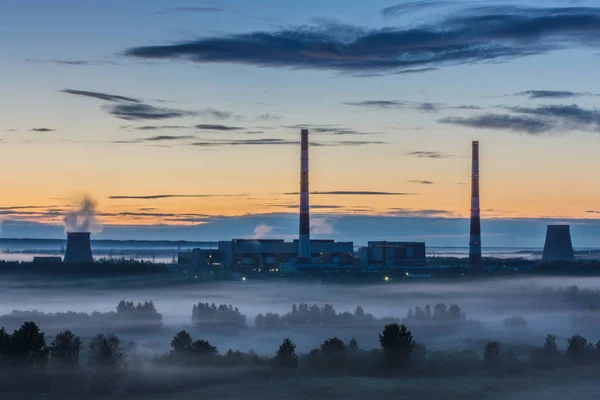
429	154
553	94
354	193
172	196
413	6
471	35
101	96
42	130
546	119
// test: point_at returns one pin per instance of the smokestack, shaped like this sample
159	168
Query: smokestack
79	249
304	240
475	236
558	246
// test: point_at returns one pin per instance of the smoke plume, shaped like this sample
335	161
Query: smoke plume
83	218
322	226
261	231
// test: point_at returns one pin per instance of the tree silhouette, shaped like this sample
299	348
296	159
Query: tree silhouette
491	355
65	348
353	345
286	355
202	348
334	352
576	349
397	344
182	342
106	352
28	346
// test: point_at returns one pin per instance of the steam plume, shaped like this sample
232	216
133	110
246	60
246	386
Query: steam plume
83	218
261	231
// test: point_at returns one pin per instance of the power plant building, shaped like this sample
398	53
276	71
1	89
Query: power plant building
558	245
384	255
264	255
79	248
475	228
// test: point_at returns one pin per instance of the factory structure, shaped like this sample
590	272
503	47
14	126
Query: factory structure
306	255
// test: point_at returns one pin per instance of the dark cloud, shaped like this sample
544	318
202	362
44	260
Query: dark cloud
399	104
552	94
329	129
218	114
172	196
502	121
208	127
159	138
535	120
137	112
72	62
268	117
408	212
354	193
102	96
42	130
412	6
12	130
279	142
160	127
471	35
190	10
429	154
312	206
421	182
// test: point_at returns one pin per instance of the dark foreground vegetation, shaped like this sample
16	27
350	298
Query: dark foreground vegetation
107	365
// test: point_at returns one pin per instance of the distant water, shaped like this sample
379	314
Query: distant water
166	251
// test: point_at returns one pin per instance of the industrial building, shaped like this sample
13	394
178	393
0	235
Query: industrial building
79	248
475	226
391	255
558	245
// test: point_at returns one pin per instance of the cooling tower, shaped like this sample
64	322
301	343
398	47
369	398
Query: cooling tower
475	232
558	244
304	239
79	249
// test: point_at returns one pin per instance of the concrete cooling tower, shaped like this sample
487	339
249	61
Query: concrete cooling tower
79	248
558	244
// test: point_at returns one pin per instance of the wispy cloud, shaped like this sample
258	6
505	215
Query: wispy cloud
140	112
412	6
172	196
42	130
402	104
329	129
421	182
553	94
72	62
159	138
546	119
429	154
177	10
409	212
268	117
208	127
101	96
469	35
159	127
354	193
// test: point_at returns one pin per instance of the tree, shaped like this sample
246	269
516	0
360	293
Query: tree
65	348
334	352
203	349
106	353
491	355
4	346
353	345
28	346
397	344
576	349
286	355
182	342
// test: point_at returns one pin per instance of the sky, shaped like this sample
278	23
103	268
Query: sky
181	119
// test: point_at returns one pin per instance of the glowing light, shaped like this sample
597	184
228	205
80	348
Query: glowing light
243	278
387	278
407	274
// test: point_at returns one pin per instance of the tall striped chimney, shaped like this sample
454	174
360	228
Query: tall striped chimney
304	241
475	238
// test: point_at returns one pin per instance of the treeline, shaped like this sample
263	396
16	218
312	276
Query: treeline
27	363
305	315
127	317
116	267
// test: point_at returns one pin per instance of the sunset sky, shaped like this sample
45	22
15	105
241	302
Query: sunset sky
181	119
